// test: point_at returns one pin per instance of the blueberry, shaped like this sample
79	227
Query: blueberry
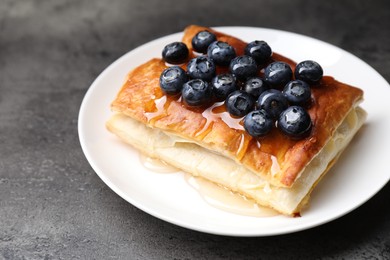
273	101
221	53
202	40
309	71
175	53
258	123
295	122
172	80
259	50
297	92
196	93
255	86
239	103
243	67
223	85
277	74
201	68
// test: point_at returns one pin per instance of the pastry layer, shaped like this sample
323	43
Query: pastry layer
276	157
199	161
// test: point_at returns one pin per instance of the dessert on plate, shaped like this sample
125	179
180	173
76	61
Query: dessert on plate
239	115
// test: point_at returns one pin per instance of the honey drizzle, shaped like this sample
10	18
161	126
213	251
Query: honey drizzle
275	167
160	105
215	112
244	142
210	118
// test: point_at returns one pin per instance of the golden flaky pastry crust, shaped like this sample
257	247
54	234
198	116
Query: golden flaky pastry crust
275	157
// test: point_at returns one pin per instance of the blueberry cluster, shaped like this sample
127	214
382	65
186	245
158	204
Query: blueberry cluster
276	99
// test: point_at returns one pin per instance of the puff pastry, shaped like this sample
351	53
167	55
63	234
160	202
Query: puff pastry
276	171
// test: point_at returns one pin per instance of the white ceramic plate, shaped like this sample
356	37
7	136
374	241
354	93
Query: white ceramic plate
360	173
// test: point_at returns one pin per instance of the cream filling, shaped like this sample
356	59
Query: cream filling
224	171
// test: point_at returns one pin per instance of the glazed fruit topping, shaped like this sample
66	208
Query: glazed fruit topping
202	40
277	74
259	50
196	92
243	67
201	68
273	101
258	123
172	80
223	85
295	122
175	53
257	88
221	53
309	71
239	103
297	92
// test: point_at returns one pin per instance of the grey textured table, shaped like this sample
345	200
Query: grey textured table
53	205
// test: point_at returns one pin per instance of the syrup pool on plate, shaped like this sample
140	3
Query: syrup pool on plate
156	165
213	194
226	200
